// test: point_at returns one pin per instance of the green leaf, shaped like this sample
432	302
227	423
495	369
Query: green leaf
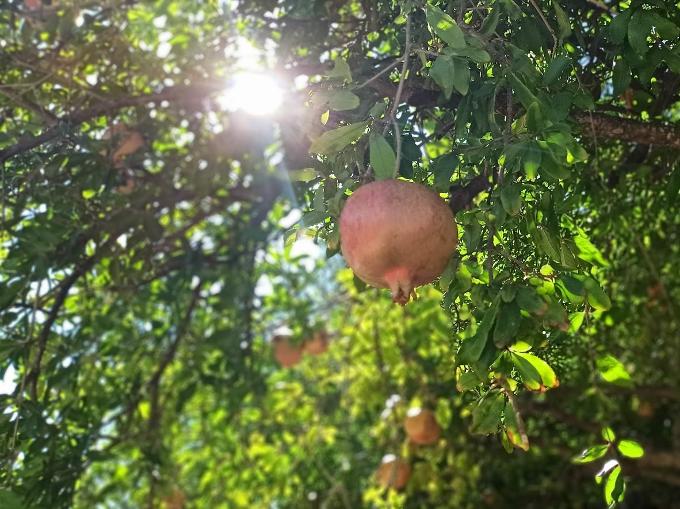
341	70
525	96
530	301
511	198
591	454
555	69
332	142
442	72
534	118
587	251
313	217
575	321
537	374
596	295
630	449
461	75
531	160
382	157
486	416
477	55
507	325
303	174
490	22
664	27
608	434
638	30
445	27
615	486
618	28
621	77
572	289
342	100
562	20
547	243
10	500
378	109
613	371
443	168
467	380
473	347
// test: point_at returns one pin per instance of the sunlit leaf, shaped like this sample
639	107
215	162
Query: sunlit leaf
445	27
382	157
332	142
630	449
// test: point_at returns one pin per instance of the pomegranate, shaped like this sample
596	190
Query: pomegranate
286	353
421	426
317	345
393	472
398	235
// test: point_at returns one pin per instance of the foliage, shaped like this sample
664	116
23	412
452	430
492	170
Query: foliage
148	254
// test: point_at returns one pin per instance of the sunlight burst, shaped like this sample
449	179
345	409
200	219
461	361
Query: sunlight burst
254	93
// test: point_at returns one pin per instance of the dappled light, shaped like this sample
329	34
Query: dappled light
312	254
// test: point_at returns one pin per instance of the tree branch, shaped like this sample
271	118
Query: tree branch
606	127
461	197
609	127
77	118
34	372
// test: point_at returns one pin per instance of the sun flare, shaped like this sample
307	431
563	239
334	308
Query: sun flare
254	93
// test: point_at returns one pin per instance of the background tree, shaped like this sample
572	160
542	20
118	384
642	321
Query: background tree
148	254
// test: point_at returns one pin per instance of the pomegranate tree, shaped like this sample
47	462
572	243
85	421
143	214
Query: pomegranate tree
398	235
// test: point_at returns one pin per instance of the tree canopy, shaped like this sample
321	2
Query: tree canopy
165	243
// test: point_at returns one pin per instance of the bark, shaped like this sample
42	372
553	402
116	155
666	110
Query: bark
608	127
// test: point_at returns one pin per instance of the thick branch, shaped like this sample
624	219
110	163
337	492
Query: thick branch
461	197
77	118
34	373
609	127
599	125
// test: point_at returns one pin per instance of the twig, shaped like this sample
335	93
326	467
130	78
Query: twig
599	4
547	25
521	427
154	385
380	73
404	68
397	96
397	138
47	117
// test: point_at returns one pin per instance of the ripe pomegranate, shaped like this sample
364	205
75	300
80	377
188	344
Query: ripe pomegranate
398	235
421	426
393	472
286	353
317	345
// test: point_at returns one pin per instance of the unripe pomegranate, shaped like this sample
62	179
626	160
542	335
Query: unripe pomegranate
393	472
317	345
286	353
421	426
398	235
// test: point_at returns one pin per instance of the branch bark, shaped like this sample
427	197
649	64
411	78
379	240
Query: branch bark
609	127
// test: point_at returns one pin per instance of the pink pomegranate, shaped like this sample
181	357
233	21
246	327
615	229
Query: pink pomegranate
398	235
